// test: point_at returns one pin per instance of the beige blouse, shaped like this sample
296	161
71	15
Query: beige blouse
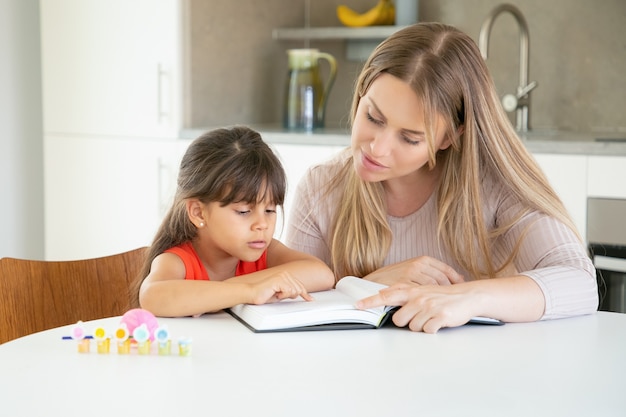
550	254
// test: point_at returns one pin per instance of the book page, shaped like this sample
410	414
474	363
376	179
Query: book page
358	288
330	306
323	300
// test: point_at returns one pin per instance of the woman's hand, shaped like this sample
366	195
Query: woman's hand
422	270
424	308
278	287
429	308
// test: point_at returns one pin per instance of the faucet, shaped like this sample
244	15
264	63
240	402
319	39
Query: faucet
521	100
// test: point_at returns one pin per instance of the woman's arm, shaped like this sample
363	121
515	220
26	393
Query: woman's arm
556	279
429	308
552	255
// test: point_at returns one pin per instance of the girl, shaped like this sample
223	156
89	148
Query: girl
214	248
439	198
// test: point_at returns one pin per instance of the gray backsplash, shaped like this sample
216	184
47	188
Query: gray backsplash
236	71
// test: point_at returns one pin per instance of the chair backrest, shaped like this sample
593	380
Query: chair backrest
40	295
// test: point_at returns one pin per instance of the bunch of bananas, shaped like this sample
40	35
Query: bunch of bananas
383	13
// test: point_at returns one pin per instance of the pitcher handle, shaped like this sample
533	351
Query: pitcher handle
329	84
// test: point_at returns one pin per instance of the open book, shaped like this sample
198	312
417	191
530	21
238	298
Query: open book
331	309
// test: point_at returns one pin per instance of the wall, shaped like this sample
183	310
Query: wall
577	56
21	132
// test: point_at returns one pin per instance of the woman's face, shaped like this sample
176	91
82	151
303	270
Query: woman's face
388	133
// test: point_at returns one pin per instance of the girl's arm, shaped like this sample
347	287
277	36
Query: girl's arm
314	274
166	293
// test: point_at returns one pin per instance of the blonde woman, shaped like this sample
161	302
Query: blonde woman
438	197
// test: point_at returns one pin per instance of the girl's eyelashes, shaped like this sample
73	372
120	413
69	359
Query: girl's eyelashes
241	208
244	211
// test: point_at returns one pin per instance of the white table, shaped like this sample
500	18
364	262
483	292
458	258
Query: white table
572	367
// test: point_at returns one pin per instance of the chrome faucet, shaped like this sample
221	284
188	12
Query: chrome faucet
520	101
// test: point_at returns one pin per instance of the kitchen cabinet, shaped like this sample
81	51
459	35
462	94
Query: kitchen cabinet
106	195
112	67
296	159
568	176
112	84
607	175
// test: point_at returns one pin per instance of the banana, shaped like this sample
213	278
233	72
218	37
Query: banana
390	17
381	14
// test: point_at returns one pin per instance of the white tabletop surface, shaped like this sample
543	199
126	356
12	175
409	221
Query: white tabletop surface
571	367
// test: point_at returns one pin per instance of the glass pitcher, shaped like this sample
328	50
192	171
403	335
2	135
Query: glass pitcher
305	92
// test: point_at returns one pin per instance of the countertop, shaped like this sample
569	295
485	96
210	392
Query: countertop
538	141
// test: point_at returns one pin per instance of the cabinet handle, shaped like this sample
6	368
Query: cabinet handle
164	187
163	99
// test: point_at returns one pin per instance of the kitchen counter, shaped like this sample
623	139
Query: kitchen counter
539	141
575	143
276	134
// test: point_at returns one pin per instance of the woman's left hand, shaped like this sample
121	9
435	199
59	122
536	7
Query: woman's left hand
423	270
426	308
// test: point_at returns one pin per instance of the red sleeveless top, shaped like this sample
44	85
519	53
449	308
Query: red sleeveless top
195	270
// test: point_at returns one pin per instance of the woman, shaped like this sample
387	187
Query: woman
439	198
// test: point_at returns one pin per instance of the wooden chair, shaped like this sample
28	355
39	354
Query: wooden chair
40	295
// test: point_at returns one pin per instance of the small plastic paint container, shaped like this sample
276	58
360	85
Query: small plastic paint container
162	338
141	334
122	339
184	347
84	345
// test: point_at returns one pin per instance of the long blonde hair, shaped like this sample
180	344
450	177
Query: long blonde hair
444	68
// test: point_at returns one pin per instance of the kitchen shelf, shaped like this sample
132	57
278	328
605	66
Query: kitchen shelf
360	41
335	33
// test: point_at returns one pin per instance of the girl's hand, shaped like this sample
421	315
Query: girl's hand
422	270
424	308
278	287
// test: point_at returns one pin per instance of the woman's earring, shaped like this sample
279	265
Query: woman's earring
201	224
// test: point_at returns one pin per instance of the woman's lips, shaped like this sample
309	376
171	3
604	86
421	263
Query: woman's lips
370	163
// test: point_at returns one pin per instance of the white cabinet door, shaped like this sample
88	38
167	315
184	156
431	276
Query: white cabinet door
568	176
607	176
296	159
104	195
111	67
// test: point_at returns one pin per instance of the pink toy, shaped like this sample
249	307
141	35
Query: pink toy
136	317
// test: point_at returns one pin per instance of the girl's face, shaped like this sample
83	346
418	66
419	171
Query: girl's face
238	230
388	133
